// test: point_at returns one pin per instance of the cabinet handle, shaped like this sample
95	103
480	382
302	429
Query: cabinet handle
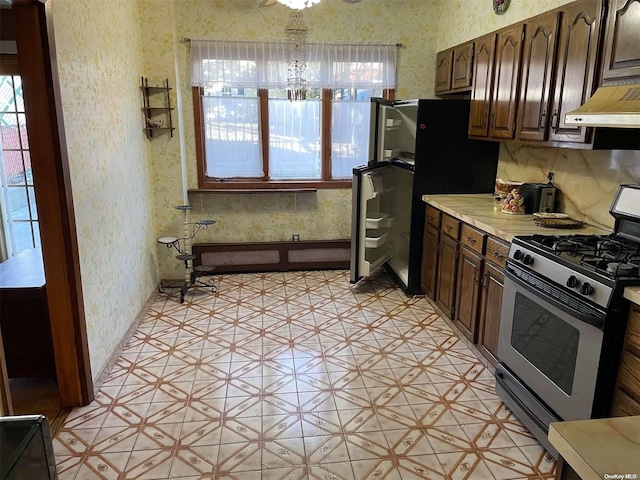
484	281
485	117
448	228
476	278
542	117
493	121
554	121
471	240
498	255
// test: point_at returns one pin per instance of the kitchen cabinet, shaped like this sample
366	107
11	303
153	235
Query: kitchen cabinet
537	77
454	69
481	92
575	66
447	265
491	301
626	400
470	263
504	98
443	71
622	43
430	252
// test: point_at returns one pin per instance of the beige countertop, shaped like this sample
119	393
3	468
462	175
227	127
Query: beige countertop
477	210
595	448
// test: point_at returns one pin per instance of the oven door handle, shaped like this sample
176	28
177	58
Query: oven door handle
597	322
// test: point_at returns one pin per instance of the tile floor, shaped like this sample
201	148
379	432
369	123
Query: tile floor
297	376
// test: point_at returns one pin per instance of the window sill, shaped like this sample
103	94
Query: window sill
235	186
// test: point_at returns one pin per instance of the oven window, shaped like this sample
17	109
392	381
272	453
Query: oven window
545	340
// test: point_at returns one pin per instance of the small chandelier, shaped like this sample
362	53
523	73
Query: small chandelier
299	4
296	33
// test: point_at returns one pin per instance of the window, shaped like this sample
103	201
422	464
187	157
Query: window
250	135
20	227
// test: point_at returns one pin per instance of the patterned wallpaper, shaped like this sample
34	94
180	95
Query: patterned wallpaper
462	20
268	217
100	63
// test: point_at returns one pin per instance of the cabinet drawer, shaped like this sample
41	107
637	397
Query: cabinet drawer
633	328
450	226
432	216
472	238
497	252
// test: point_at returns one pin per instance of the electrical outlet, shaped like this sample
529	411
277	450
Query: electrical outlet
550	177
295	237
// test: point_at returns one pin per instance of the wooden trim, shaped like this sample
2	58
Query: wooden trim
37	56
389	94
7	26
263	94
209	191
283	249
9	64
326	133
196	94
258	184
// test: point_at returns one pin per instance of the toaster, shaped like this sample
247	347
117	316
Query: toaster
538	197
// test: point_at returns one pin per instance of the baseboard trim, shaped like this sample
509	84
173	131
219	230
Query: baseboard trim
273	256
98	382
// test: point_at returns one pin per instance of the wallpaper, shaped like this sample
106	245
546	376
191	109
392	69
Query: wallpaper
100	63
268	217
462	20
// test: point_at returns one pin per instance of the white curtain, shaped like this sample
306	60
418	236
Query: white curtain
263	65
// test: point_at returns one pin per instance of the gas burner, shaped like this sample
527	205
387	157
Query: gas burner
571	245
622	269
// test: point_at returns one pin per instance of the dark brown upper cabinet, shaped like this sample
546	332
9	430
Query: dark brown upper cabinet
443	71
454	69
502	121
537	77
575	67
462	70
622	43
481	92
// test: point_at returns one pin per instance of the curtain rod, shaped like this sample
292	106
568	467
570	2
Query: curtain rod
399	45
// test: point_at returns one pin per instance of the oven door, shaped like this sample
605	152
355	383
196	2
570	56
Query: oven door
551	341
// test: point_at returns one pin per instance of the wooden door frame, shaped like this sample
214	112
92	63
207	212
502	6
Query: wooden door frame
52	184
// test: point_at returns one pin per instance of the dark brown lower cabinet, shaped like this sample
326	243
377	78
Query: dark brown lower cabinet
468	292
447	269
626	399
430	260
490	308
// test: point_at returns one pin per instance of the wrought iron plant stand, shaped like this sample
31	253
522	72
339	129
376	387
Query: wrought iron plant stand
199	276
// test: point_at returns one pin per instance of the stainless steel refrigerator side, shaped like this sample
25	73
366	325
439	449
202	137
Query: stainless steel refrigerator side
354	274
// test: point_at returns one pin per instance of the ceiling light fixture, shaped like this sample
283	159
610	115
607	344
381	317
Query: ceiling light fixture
296	32
299	4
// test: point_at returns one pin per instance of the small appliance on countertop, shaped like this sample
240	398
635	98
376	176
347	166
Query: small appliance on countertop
538	197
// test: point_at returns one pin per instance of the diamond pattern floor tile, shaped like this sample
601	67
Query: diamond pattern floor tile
297	376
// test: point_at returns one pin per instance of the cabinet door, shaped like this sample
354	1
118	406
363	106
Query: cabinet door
537	72
462	71
622	44
481	93
575	67
430	260
468	286
446	282
443	71
490	309
505	82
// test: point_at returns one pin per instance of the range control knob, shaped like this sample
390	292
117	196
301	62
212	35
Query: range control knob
517	254
572	281
528	260
586	289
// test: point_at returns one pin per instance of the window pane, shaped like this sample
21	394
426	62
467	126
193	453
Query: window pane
294	137
22	236
351	110
13	167
232	134
18	203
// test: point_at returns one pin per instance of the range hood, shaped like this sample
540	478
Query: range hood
613	107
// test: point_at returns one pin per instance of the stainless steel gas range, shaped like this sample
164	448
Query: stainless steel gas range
563	320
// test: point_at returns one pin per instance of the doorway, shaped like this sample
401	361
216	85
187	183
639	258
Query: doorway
53	370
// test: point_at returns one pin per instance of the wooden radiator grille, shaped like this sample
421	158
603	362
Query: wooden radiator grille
273	256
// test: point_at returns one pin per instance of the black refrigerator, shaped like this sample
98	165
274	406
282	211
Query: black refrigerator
415	147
